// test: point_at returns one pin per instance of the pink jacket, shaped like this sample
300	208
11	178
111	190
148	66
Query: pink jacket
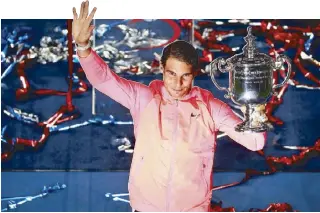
175	140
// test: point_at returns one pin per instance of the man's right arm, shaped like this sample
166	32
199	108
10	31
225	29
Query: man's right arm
226	121
102	78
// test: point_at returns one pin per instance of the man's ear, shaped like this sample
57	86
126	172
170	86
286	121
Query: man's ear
197	72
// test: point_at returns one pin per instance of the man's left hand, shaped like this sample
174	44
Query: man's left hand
258	115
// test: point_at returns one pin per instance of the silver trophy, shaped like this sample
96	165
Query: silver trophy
250	82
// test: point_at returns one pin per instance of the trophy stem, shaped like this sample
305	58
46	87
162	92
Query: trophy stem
251	125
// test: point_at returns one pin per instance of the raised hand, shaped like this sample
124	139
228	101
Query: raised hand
81	25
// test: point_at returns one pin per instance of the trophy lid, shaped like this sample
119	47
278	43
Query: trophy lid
250	54
250	48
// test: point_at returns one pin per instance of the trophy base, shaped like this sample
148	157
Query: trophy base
247	127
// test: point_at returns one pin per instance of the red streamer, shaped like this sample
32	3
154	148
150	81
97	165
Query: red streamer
273	207
65	113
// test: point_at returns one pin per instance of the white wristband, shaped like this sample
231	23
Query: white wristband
82	48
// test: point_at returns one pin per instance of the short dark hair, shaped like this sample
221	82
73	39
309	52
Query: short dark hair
183	51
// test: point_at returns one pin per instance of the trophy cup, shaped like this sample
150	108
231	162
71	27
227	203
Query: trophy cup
250	81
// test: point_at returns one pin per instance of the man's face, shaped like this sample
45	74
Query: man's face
177	77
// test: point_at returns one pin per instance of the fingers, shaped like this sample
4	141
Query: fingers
81	10
92	14
75	15
260	108
90	17
243	108
86	9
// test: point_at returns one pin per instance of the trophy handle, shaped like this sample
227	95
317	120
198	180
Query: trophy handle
282	59
217	65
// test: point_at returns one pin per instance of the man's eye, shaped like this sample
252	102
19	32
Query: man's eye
187	76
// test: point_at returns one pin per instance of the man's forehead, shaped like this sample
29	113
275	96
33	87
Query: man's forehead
178	67
189	71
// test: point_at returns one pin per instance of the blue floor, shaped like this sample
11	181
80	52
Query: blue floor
86	191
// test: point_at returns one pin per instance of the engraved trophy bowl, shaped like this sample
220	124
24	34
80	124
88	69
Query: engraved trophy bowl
250	81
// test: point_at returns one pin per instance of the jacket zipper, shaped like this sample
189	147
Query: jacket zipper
137	167
204	165
174	137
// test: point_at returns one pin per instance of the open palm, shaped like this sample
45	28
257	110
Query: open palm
81	25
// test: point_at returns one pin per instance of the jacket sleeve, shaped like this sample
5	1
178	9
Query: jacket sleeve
225	121
123	91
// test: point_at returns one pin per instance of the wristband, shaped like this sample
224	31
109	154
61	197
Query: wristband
82	48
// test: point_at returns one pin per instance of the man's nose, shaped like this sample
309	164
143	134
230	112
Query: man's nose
178	83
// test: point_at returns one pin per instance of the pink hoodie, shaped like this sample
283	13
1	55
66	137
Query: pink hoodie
175	139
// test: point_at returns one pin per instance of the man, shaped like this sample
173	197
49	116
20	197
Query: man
175	125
